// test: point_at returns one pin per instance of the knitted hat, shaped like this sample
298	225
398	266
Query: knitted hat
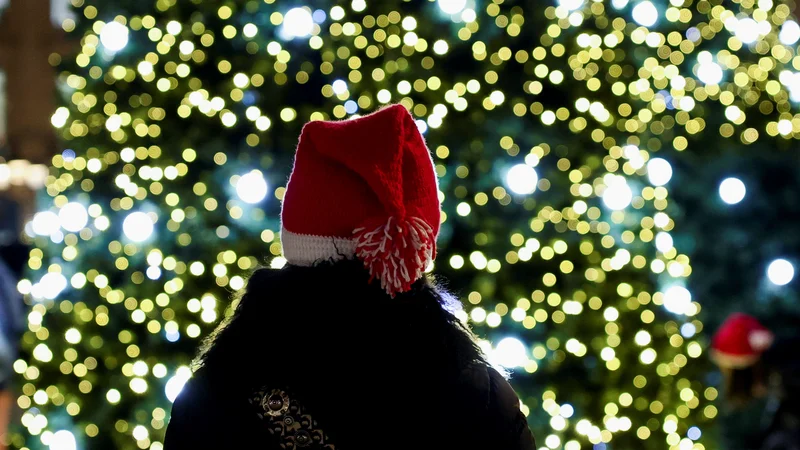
739	342
364	188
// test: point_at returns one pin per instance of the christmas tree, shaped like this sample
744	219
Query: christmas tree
552	128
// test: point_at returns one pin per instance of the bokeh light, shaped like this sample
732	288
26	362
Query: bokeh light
73	216
252	187
780	272
138	226
114	36
452	6
732	190
298	22
522	179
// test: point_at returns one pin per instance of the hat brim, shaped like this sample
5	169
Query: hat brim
730	361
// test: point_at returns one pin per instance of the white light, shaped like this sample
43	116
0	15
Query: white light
469	15
661	219
611	314
137	226
664	242
43	353
567	410
339	87
619	4
497	97
790	32
552	441
176	383
571	5
747	30
642	338
780	272
73	217
114	36
452	6
358	5
785	127
140	433
510	352
52	284
113	396
659	171
677	299
174	27
634	156
440	47
298	22
73	336
384	96
618	194
732	191
337	13
252	187
645	14
709	73
45	223
522	179
63	440
250	30
186	47
138	385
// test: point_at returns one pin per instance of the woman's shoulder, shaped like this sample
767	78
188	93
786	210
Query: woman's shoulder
502	418
206	415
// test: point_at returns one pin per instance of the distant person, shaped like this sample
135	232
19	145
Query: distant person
351	345
760	395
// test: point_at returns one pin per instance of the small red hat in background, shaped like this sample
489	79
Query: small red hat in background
364	188
740	341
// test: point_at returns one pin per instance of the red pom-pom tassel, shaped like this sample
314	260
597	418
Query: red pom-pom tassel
397	252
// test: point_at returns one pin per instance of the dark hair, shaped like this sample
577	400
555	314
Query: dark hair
294	321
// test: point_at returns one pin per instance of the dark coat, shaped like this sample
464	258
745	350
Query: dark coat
479	411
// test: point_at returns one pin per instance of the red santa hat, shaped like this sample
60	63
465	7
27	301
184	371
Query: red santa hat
740	341
364	188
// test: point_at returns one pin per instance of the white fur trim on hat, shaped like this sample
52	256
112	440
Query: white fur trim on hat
307	250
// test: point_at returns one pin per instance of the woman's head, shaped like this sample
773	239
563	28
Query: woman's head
301	319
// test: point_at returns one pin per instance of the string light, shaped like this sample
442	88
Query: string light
640	86
114	36
522	179
298	22
780	272
138	226
732	190
452	6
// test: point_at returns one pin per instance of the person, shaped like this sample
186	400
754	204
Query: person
350	345
761	408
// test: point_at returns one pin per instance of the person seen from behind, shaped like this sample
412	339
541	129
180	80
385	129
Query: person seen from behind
351	345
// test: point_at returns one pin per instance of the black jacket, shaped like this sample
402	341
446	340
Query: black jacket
479	410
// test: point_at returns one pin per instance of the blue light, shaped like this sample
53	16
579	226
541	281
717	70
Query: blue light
422	126
694	433
319	16
250	98
173	336
693	34
351	107
68	155
688	330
